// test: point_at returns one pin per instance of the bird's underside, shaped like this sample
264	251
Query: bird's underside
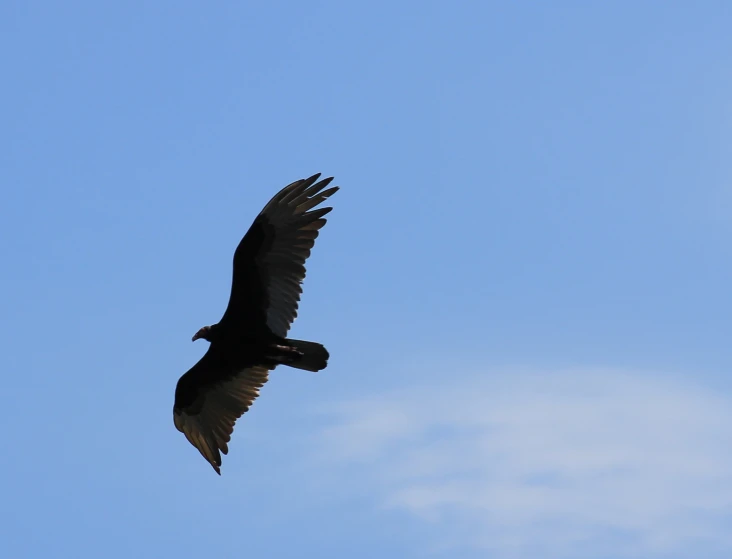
250	340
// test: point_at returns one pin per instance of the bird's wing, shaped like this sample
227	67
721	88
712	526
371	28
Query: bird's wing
269	263
209	399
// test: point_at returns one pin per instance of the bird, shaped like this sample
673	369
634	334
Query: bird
251	340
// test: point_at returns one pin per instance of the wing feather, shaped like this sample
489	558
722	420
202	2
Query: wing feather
206	411
269	263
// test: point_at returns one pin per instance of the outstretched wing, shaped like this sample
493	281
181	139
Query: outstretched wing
209	399
269	263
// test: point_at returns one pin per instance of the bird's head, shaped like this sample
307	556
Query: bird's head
203	333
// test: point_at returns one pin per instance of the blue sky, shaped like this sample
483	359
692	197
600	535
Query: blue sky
524	285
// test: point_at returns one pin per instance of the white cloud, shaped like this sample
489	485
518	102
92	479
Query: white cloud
547	465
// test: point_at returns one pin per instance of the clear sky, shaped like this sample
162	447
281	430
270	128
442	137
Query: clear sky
524	285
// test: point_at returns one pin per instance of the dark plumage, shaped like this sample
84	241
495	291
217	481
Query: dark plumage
250	339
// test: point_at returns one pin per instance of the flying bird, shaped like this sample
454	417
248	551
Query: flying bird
250	340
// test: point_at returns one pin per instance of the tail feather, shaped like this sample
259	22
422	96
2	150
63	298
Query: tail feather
314	356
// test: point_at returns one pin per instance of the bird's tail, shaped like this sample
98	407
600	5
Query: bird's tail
314	356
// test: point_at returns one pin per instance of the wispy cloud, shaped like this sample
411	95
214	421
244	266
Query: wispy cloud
549	465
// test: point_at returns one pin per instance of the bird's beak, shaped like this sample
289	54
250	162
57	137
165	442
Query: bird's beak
197	335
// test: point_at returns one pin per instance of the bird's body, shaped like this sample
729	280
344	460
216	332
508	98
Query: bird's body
251	338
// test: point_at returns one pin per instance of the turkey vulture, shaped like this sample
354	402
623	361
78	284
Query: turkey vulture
251	338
